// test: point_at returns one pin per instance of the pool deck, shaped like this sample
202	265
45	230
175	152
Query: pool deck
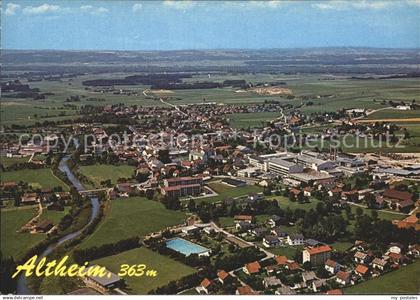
186	247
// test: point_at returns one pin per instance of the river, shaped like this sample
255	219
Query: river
22	286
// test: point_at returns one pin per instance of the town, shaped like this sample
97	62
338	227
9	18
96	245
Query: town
210	148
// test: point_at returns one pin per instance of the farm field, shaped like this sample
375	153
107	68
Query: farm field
39	178
130	217
394	114
324	95
245	120
167	269
17	243
100	172
403	281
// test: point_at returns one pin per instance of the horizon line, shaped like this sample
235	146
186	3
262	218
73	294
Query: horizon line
217	49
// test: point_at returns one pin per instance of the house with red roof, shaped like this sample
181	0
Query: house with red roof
362	270
252	268
206	286
316	255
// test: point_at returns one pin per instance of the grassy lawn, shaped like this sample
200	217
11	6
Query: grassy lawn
191	291
382	214
100	172
8	161
288	251
13	243
226	221
231	192
403	281
341	246
132	217
167	268
285	202
41	178
219	187
245	120
53	215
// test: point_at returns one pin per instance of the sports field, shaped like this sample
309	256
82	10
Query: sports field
167	269
229	192
40	178
100	172
130	217
403	281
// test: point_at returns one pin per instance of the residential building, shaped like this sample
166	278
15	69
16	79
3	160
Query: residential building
332	266
295	239
316	255
252	268
271	241
343	278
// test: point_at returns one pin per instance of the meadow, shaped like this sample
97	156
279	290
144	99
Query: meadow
403	281
100	172
8	161
130	217
245	120
39	178
325	96
13	243
167	269
394	114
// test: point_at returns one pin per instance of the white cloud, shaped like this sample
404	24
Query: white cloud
413	2
11	9
181	5
137	7
356	4
266	4
93	10
86	7
42	9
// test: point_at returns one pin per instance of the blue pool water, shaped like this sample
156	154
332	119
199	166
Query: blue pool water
185	247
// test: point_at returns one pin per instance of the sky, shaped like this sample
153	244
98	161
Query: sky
173	25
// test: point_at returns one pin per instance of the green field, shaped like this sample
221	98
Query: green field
132	217
341	246
8	161
53	215
252	120
285	202
230	192
167	269
13	243
99	172
394	114
325	95
40	178
403	281
288	251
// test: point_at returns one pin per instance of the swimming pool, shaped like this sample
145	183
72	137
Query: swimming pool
186	247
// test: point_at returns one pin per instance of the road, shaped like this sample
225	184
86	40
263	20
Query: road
384	211
267	253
